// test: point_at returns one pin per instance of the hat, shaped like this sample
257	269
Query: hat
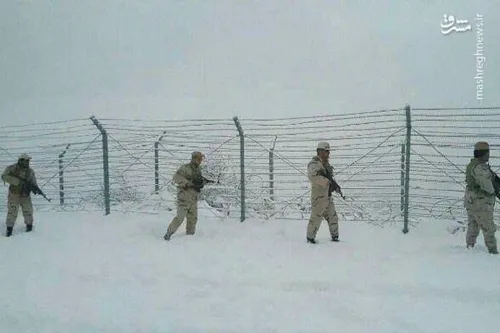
24	156
323	146
481	145
196	154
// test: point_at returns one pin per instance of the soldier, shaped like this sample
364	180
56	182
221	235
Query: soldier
320	174
21	179
479	198
190	182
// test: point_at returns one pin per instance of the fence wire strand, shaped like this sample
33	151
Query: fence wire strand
366	156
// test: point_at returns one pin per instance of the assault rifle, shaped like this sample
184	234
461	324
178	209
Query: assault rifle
29	187
200	182
496	183
334	186
209	181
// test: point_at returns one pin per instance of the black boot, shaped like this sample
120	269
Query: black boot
9	231
311	240
29	227
335	238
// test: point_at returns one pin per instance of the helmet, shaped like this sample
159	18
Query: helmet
196	154
481	145
323	146
24	156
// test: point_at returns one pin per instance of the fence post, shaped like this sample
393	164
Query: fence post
157	171
242	167
105	161
402	178
271	170
407	167
61	175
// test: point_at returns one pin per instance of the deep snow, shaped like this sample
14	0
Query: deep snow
85	272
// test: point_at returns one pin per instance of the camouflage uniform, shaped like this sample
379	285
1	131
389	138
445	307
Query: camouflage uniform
18	195
322	205
479	201
189	181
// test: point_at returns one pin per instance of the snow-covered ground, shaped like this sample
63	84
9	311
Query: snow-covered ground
85	272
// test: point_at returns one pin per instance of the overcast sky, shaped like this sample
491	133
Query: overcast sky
210	59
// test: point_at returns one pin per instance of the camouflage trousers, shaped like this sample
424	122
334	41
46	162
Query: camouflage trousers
187	209
322	208
481	220
14	201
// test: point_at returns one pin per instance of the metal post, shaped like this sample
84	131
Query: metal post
271	170
157	168
105	161
61	175
402	178
407	167
242	167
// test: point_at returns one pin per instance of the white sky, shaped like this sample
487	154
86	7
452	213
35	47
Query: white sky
211	59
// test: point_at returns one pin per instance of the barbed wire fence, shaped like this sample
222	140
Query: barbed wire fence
442	145
396	165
